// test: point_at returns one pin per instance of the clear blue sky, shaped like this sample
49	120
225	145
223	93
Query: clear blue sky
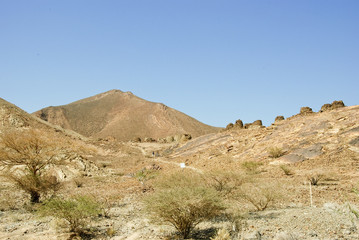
217	61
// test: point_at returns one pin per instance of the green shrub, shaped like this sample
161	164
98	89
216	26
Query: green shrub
183	200
77	211
275	152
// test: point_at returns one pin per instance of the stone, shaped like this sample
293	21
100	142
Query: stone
247	125
279	118
257	123
326	107
333	105
337	104
229	126
239	124
305	110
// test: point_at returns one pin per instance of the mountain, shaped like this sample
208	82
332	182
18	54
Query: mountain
13	117
124	116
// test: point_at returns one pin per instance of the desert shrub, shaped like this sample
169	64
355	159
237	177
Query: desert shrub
314	178
77	211
35	185
275	152
260	194
287	171
27	156
183	200
225	182
222	234
251	167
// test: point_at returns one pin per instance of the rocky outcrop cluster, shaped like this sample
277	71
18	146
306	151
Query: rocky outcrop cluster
239	125
333	105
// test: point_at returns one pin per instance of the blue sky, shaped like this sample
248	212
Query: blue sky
217	61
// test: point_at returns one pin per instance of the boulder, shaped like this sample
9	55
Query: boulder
257	123
185	137
326	107
229	126
333	105
305	110
247	125
238	124
337	104
279	118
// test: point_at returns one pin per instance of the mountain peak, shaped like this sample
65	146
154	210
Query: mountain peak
124	116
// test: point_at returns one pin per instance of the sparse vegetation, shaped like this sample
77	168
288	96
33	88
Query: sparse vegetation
251	167
27	156
77	211
222	234
314	178
260	194
183	201
225	182
275	152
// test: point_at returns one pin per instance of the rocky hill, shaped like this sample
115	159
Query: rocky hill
327	134
123	116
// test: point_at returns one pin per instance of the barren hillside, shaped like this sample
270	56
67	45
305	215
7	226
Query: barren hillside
124	116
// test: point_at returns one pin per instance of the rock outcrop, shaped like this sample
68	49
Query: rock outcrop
333	105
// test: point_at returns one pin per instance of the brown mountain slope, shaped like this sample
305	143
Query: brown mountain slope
123	116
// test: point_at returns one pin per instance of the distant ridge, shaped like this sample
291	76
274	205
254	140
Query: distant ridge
124	116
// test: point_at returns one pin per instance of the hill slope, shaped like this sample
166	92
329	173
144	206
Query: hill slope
123	116
321	136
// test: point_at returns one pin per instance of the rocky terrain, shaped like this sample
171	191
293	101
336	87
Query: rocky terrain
283	157
123	116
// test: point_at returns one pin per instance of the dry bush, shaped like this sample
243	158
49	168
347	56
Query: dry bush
27	156
77	211
183	200
222	234
225	182
35	185
315	177
251	167
260	194
275	152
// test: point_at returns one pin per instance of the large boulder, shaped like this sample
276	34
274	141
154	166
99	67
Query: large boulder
229	126
305	110
279	118
238	124
333	105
